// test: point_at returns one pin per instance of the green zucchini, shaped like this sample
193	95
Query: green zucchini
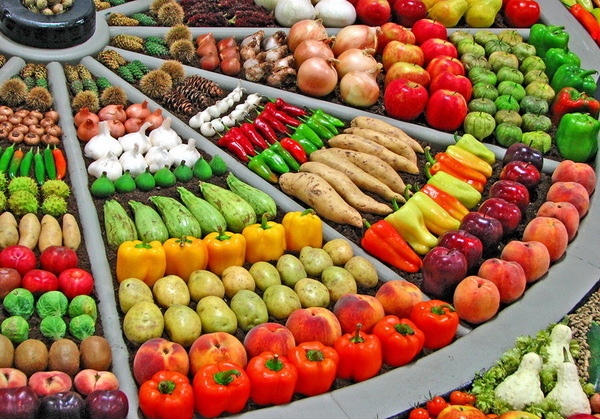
259	200
178	219
209	217
118	225
237	211
148	223
593	340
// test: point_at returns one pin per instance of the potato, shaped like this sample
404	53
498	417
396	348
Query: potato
237	278
131	291
315	260
215	315
29	230
202	283
143	321
9	235
290	269
338	281
70	231
264	274
339	250
363	271
312	293
249	309
171	289
281	300
182	324
50	233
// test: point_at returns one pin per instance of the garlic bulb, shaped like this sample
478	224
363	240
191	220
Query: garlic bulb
103	143
139	137
133	161
165	135
109	164
187	152
157	158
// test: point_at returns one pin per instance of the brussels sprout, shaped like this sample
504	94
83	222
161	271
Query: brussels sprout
508	115
82	326
53	327
533	122
508	134
15	328
83	304
19	302
479	124
511	88
52	303
534	104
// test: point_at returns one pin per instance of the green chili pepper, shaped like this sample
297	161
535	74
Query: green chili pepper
258	165
38	167
26	163
577	136
306	145
574	76
303	131
587	4
49	163
319	119
543	37
15	163
274	161
6	158
555	57
335	121
287	157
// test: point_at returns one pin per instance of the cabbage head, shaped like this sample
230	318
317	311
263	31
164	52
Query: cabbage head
15	328
82	326
53	327
83	304
19	302
52	303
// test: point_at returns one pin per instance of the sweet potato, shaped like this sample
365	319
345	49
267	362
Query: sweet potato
358	143
374	166
346	188
50	234
361	178
29	230
382	126
314	191
71	232
392	143
9	235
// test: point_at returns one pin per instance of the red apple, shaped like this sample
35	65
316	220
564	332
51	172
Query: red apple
396	51
476	299
436	47
269	336
89	380
533	256
511	191
75	281
9	280
549	231
404	99
446	110
506	212
456	411
518	414
425	29
391	31
569	171
39	281
314	324
58	258
159	354
485	227
443	269
565	212
18	257
398	297
352	309
468	244
407	12
522	172
49	382
450	81
445	63
373	12
409	71
216	347
508	276
572	192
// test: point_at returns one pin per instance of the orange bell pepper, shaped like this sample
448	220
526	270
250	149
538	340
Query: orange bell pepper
272	378
264	241
220	387
141	260
316	365
225	249
302	228
360	354
168	394
401	340
184	256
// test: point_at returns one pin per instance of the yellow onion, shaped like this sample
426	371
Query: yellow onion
356	36
359	88
317	76
312	48
355	59
305	29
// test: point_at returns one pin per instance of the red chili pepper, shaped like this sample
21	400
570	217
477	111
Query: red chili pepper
255	138
587	20
281	115
289	109
265	129
234	147
401	340
59	162
295	149
438	320
239	137
275	123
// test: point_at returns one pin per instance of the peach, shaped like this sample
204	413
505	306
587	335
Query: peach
565	212
49	382
398	297
216	347
269	336
314	324
12	378
570	171
533	256
549	231
508	276
572	192
352	309
88	380
476	299
159	354
457	411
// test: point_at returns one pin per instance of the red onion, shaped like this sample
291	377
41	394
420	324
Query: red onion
317	77
87	129
116	128
83	115
312	48
112	112
305	29
138	110
133	124
356	36
155	118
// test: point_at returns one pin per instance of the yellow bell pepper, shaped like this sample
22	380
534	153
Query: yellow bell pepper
185	255
302	228
264	241
142	260
470	159
225	249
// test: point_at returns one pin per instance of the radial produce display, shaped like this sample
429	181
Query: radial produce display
229	188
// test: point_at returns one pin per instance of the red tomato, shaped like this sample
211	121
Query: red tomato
419	413
436	405
458	397
470	398
39	281
522	13
73	282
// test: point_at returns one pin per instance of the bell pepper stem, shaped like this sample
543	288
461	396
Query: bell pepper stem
315	355
166	387
357	338
263	222
439	310
225	378
274	364
404	329
222	235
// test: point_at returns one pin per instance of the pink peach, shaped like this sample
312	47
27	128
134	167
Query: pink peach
352	309
570	171
269	336
159	354
549	231
314	324
476	299
572	192
565	212
509	278
398	297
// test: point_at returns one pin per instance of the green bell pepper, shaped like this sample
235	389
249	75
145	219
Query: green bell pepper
555	57
259	166
543	37
577	136
289	160
408	221
304	131
274	161
472	144
574	76
465	193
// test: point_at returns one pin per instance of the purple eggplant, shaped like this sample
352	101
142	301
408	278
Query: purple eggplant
18	403
65	405
107	404
523	152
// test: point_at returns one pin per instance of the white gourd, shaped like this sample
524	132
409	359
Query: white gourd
102	143
523	386
560	340
568	392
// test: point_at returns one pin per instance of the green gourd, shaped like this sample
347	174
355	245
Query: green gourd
125	183
179	220
237	211
165	177
118	225
103	187
202	169
145	181
148	223
259	200
218	166
210	219
183	173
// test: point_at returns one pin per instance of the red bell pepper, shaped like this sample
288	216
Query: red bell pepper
295	149
316	365
265	129
168	394
444	162
272	378
255	138
569	100
401	340
280	115
452	205
220	387
289	109
360	354
438	320
384	242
